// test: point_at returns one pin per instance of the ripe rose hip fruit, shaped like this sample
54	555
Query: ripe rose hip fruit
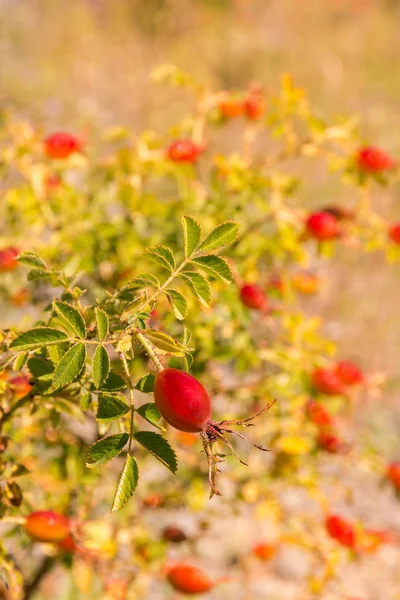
21	386
47	526
373	160
323	226
330	442
253	296
393	473
318	414
341	530
231	107
8	257
349	372
189	580
264	551
326	381
182	400
68	545
255	105
61	144
184	151
394	233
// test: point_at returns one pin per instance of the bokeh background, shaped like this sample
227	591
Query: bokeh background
83	65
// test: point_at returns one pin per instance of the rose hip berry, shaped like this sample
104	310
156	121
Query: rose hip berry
264	551
326	381
47	526
394	233
349	372
373	160
332	443
253	296
255	105
8	258
184	151
231	107
21	386
323	226
188	579
318	414
393	473
61	145
341	530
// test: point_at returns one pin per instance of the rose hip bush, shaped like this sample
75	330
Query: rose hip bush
153	289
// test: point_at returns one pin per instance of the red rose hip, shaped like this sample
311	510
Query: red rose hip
8	258
323	226
394	233
184	151
326	381
182	400
47	526
189	580
318	414
61	145
393	473
349	372
253	296
341	530
373	160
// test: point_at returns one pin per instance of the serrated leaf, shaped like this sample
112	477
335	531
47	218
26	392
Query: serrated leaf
106	449
164	343
187	336
127	483
111	407
32	260
86	401
20	361
150	413
142	281
70	366
102	323
113	383
146	383
131	306
39	367
224	234
159	447
216	266
100	366
163	256
191	234
72	317
178	304
37	274
38	337
199	286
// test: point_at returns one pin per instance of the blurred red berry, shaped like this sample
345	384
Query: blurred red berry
305	283
21	386
373	160
231	107
153	500
190	580
264	551
331	443
61	145
47	526
318	414
394	233
68	545
326	381
174	534
255	105
393	473
341	530
8	257
323	226
349	372
184	151
253	296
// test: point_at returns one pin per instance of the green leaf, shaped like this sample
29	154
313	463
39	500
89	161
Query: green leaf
32	260
191	234
163	256
72	317
164	343
142	281
38	338
102	323
159	447
37	274
101	366
113	383
216	266
199	286
127	483
178	303
39	367
111	408
146	383
70	366
150	413
106	449
224	234
86	401
20	361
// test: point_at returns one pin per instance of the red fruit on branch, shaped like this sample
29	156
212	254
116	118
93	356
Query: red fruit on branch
8	258
47	526
393	474
184	151
231	107
182	400
326	381
394	233
332	443
188	579
68	545
318	414
253	296
21	386
371	159
341	530
61	145
264	551
323	226
349	372
255	105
